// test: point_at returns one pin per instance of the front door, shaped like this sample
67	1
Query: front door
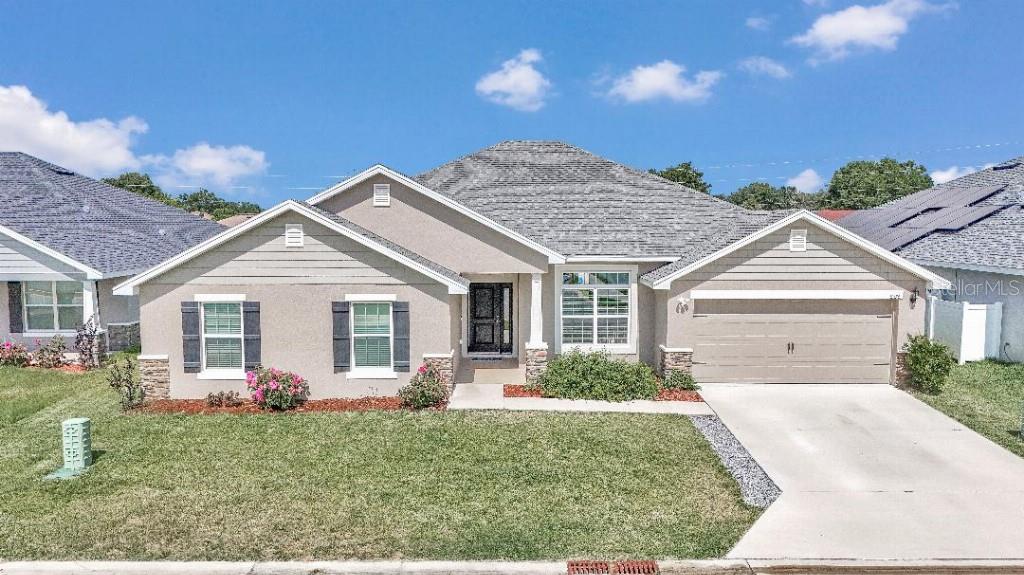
490	318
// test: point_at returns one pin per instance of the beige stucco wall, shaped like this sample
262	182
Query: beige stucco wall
830	263
116	308
435	231
295	288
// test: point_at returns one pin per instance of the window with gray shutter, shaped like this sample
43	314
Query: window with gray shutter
251	331
400	317
17	320
190	336
342	337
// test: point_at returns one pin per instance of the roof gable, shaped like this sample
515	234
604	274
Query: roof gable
456	283
379	169
663	277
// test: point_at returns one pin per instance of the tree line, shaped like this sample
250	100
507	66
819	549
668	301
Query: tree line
202	201
858	185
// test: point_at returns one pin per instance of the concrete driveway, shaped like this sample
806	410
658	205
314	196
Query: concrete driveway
869	472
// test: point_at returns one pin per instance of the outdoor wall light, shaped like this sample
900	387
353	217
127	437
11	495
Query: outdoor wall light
913	296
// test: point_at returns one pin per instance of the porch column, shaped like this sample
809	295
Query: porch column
90	301
536	311
536	349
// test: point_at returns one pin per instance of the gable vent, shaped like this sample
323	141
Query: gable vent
798	240
293	236
381	195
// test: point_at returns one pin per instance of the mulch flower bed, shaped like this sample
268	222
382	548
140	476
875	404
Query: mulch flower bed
515	390
512	390
199	406
678	395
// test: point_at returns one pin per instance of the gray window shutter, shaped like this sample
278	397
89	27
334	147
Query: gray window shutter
190	336
251	331
400	318
342	336
17	324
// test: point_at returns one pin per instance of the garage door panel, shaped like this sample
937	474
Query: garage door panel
832	341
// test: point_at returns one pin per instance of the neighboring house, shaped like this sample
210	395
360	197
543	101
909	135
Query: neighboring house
232	221
970	231
66	239
834	215
521	250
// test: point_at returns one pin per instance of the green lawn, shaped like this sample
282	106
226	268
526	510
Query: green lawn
373	485
985	396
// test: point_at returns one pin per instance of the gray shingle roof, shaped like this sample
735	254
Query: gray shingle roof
994	241
352	226
114	231
580	204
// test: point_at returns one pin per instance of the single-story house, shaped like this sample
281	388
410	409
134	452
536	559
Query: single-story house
66	240
969	230
513	253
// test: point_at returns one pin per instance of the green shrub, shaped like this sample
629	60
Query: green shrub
425	389
13	354
577	375
51	355
928	363
679	380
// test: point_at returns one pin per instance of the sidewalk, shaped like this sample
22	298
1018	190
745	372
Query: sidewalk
491	396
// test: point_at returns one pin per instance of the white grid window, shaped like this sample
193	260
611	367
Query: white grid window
798	240
53	306
382	195
371	335
595	308
222	336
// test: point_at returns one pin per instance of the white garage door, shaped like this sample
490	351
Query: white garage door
762	341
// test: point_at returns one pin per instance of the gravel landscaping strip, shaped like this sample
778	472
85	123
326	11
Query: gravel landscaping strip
756	487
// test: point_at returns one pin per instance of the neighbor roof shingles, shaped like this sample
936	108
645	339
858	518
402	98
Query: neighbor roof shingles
994	241
112	230
579	204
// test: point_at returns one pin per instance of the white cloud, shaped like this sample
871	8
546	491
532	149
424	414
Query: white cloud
94	147
202	164
517	84
807	181
103	147
664	80
764	66
951	173
879	27
758	23
816	3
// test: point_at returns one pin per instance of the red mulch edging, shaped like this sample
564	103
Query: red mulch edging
678	395
199	406
516	390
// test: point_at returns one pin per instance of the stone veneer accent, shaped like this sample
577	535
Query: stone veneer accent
902	378
536	361
675	359
122	336
154	377
443	364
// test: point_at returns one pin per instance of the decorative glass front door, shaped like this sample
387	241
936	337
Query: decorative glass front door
490	318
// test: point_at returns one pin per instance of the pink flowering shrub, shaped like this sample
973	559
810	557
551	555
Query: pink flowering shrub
425	389
272	388
14	354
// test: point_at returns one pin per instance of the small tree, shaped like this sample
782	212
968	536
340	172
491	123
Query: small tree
125	379
85	344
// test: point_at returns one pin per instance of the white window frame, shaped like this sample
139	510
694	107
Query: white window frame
220	373
381	195
628	348
371	372
54	308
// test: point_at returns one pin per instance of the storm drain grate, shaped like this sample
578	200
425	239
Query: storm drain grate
635	567
587	567
590	567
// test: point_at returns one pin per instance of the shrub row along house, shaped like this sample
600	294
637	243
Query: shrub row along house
66	240
488	264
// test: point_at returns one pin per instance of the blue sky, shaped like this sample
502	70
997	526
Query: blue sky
260	100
